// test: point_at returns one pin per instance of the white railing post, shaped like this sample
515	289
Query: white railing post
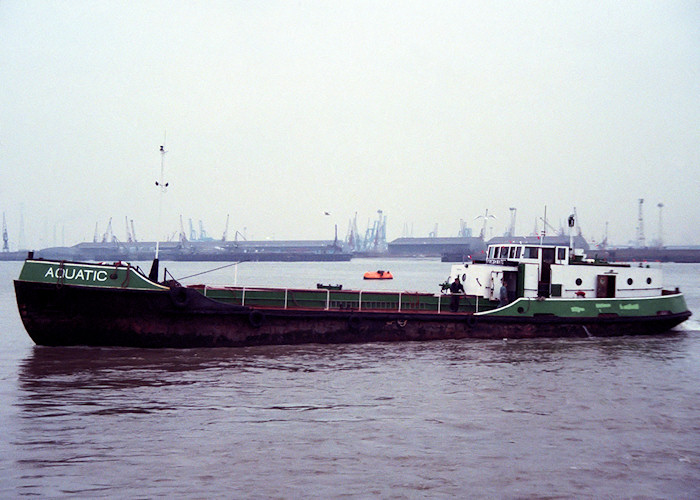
359	301
243	297
285	297
439	302
400	301
328	299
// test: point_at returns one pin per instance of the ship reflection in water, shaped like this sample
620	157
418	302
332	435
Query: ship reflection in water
437	419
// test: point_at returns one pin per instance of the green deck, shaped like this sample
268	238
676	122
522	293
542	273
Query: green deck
347	299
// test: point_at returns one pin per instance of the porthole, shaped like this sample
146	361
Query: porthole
629	281
579	281
648	281
521	310
464	278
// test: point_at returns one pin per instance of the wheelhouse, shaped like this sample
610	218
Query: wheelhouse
499	254
533	271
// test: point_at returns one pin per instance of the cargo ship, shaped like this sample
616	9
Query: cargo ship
518	291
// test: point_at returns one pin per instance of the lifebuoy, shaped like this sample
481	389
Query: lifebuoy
354	322
256	319
179	296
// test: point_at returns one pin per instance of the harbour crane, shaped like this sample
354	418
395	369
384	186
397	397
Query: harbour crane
183	235
641	243
223	238
108	236
511	227
661	239
486	218
5	242
129	237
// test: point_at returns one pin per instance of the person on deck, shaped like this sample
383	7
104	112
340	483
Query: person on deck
503	295
455	289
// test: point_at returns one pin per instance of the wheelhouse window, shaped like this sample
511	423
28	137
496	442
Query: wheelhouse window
531	253
512	252
561	253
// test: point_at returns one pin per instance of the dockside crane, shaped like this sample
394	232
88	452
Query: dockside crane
129	237
434	232
511	227
108	236
223	238
486	218
183	235
5	239
660	242
641	243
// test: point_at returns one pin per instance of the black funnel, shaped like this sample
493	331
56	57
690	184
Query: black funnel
153	275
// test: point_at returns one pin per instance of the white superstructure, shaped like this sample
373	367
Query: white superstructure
553	271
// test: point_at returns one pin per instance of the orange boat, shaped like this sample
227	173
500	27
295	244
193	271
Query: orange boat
378	275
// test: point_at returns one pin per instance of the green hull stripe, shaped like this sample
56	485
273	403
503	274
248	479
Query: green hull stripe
93	275
579	308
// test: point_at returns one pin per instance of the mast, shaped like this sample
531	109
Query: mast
162	186
572	223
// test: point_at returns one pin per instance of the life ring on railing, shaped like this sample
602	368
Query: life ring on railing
470	321
354	322
179	296
256	319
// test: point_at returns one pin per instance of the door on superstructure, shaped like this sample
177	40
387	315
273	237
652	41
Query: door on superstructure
605	286
546	261
511	279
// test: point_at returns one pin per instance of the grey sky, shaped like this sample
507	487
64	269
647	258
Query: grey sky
278	111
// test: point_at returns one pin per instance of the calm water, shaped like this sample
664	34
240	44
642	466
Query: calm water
589	418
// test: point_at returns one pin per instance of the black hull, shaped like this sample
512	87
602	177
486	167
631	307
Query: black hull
183	318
